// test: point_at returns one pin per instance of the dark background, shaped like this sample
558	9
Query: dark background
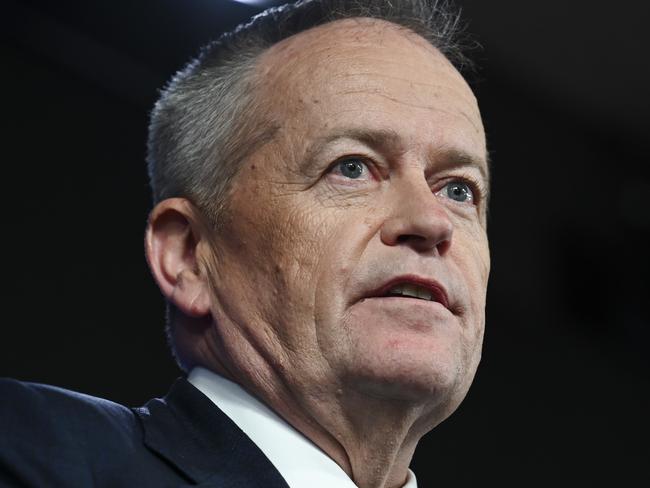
562	396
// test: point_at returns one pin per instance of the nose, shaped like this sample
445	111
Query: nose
418	220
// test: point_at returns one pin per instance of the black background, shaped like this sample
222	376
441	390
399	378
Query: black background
562	396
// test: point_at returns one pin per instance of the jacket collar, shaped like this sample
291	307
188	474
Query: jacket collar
189	431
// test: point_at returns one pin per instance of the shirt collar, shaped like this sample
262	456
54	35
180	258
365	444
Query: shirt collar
300	462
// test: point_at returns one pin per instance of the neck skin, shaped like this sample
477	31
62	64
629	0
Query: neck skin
375	449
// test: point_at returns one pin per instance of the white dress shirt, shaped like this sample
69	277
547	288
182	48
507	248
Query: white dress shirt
300	462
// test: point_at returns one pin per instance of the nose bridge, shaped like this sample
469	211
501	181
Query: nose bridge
416	217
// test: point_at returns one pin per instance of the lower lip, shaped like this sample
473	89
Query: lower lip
408	301
412	299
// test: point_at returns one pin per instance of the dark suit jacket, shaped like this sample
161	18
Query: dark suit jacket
50	437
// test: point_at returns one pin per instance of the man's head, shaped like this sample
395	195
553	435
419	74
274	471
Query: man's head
368	188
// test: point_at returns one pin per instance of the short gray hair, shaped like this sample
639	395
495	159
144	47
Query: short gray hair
208	119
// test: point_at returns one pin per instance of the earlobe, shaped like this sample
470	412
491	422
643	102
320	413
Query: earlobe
171	245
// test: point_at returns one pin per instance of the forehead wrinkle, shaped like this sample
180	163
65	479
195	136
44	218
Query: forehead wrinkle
391	77
294	77
437	85
413	105
342	63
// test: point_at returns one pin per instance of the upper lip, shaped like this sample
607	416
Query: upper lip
438	292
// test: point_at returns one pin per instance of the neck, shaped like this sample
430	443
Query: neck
372	439
375	437
375	450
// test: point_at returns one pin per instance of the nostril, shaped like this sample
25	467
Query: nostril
411	239
422	243
417	242
443	247
404	238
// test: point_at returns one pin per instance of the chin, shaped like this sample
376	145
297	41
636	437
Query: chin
419	354
420	372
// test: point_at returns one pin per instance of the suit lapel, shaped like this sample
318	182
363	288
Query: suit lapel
189	431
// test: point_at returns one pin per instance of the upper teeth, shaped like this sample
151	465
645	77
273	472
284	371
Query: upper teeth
409	290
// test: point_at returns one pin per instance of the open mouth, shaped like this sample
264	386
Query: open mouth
410	290
420	289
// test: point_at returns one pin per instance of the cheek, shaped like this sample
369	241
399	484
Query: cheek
471	257
281	247
471	253
344	239
297	242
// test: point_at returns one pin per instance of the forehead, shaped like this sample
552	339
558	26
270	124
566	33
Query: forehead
369	74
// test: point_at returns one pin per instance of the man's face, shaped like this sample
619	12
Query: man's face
374	186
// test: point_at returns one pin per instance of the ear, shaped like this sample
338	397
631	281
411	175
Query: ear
174	235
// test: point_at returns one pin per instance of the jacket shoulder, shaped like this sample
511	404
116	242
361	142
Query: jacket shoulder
40	395
34	406
51	436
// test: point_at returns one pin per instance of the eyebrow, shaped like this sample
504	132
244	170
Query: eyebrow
453	158
383	140
450	158
389	141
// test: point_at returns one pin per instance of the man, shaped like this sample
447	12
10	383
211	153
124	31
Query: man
320	180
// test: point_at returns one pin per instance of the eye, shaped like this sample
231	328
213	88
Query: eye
352	168
458	191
